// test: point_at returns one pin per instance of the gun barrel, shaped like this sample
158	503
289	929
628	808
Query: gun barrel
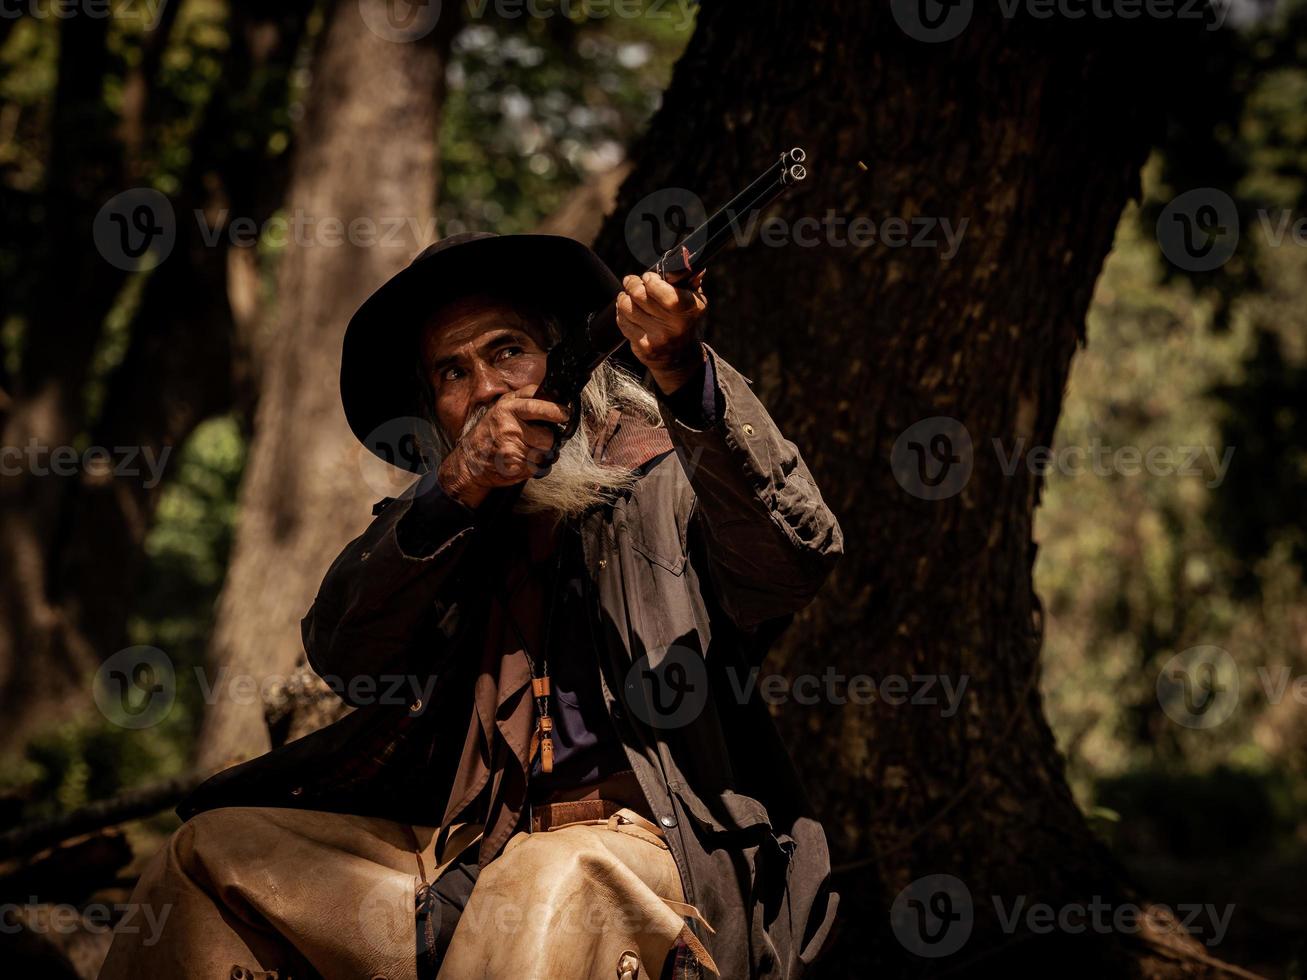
570	364
734	220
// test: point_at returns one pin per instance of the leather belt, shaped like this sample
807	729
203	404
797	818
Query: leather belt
551	816
620	791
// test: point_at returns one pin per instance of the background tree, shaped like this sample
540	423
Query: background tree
1028	131
368	152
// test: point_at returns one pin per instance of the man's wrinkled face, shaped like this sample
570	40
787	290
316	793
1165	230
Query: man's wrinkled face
476	350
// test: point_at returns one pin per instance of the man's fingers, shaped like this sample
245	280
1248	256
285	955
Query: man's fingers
643	322
634	287
538	410
660	292
672	298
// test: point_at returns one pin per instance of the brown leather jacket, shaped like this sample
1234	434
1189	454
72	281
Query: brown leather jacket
693	574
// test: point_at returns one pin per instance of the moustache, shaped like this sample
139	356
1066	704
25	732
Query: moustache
473	417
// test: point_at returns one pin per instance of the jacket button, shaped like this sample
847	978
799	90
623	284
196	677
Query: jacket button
748	429
364	556
668	821
603	562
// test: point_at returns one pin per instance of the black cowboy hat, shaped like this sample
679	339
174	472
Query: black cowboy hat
378	375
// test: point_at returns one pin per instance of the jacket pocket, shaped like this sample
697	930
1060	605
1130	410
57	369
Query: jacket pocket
659	556
659	532
730	813
741	823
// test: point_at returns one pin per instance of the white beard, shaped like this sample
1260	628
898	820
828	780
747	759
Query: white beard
576	482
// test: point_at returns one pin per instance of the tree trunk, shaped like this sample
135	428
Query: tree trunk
1031	133
367	151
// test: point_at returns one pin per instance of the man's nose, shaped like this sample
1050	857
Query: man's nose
487	384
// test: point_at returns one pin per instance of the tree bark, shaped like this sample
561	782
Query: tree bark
1032	133
367	151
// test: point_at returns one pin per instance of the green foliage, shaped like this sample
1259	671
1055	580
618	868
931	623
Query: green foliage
536	106
187	550
1236	124
1135	569
1184	813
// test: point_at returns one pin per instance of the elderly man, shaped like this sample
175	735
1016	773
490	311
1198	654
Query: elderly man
588	785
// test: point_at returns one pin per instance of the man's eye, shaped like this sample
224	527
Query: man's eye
509	352
451	374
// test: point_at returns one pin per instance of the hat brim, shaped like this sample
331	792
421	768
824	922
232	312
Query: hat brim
378	378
